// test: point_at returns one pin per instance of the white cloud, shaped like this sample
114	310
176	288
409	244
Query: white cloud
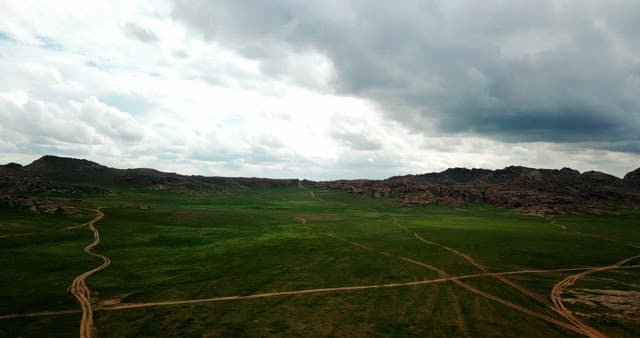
78	81
139	33
30	121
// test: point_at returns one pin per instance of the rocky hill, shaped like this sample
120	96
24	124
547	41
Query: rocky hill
632	179
69	175
536	191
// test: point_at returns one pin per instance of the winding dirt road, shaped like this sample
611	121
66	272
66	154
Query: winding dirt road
79	288
558	289
556	295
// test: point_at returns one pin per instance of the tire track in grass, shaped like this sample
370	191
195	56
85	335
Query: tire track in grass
125	306
460	320
311	193
472	289
598	236
554	307
425	306
87	329
556	293
482	268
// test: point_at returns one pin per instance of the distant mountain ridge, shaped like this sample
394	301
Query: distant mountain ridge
78	175
517	175
538	191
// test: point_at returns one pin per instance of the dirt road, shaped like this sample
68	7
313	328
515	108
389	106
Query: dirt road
557	305
79	288
124	306
39	314
311	193
482	268
556	295
556	292
82	293
315	197
469	287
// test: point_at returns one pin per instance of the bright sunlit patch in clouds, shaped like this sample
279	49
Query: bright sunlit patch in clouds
321	91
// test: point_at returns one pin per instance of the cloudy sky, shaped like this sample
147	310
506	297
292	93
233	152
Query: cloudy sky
322	89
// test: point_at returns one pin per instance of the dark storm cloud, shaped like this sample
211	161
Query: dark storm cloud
139	33
558	71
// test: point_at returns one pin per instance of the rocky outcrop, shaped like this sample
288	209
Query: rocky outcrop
535	191
38	205
632	179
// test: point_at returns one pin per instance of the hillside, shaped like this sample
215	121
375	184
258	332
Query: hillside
309	258
632	179
72	175
536	191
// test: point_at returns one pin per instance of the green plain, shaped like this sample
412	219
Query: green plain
171	245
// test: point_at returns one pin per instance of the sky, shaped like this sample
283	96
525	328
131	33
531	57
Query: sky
322	89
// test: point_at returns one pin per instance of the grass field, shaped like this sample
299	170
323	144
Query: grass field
174	246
